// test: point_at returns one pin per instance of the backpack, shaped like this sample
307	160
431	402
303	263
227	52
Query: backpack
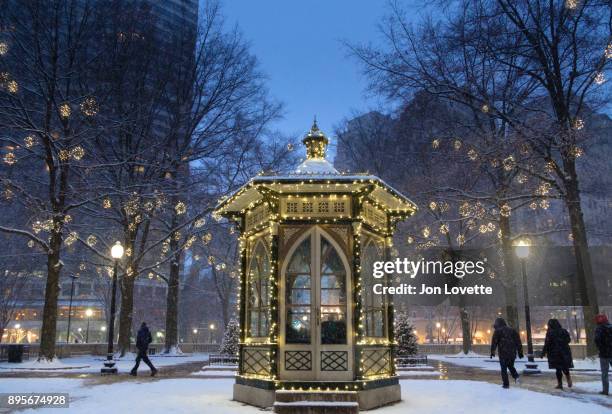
606	340
507	344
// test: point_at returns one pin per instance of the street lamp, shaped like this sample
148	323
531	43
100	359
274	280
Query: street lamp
88	313
522	252
212	328
73	277
574	314
195	333
438	326
109	364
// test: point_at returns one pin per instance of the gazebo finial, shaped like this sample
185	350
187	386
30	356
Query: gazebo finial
315	142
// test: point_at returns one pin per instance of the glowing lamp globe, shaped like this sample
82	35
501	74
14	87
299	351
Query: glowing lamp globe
117	250
88	313
522	249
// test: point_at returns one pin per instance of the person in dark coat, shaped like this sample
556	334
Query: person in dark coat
508	343
557	349
603	340
143	339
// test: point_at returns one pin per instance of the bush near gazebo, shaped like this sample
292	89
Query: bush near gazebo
231	338
404	336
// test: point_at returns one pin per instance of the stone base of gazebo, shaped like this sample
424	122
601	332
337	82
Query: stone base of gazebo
368	395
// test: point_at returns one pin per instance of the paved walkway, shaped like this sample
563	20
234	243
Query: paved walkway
544	382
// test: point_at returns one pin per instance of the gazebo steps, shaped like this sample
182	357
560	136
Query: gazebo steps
285	396
316	407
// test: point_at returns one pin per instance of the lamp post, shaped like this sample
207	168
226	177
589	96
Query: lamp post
88	313
438	326
109	364
522	252
195	335
574	314
212	329
73	277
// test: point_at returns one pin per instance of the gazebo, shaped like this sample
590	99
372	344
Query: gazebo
309	319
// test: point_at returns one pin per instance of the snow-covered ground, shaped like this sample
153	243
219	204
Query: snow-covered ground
486	363
91	363
189	395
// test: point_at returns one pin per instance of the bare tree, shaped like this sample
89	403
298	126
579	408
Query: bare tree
48	108
552	55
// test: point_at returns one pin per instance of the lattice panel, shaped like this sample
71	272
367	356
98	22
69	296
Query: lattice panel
255	361
316	206
256	217
334	361
374	216
298	360
376	361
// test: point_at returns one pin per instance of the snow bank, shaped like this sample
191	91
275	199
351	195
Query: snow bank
93	363
191	395
472	397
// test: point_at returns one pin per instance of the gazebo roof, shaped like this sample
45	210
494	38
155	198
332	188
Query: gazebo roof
315	175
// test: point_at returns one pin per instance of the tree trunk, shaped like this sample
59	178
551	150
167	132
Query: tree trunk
172	300
126	313
509	278
49	322
584	271
465	328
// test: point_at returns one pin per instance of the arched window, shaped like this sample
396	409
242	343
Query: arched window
373	305
298	297
258	292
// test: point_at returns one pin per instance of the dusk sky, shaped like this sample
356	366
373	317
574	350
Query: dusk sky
298	44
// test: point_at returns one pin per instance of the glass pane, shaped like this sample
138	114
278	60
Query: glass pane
258	292
254	321
332	281
297	328
298	290
374	326
298	281
330	261
263	323
300	261
374	323
300	297
298	325
333	325
333	296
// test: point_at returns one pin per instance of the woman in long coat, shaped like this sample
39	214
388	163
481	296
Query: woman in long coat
557	348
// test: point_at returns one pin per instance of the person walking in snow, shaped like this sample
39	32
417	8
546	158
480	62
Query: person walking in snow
603	340
557	349
143	339
508	343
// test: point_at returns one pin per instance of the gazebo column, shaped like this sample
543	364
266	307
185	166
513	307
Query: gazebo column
357	312
390	309
274	300
242	296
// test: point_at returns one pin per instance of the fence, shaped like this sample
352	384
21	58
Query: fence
64	350
578	350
